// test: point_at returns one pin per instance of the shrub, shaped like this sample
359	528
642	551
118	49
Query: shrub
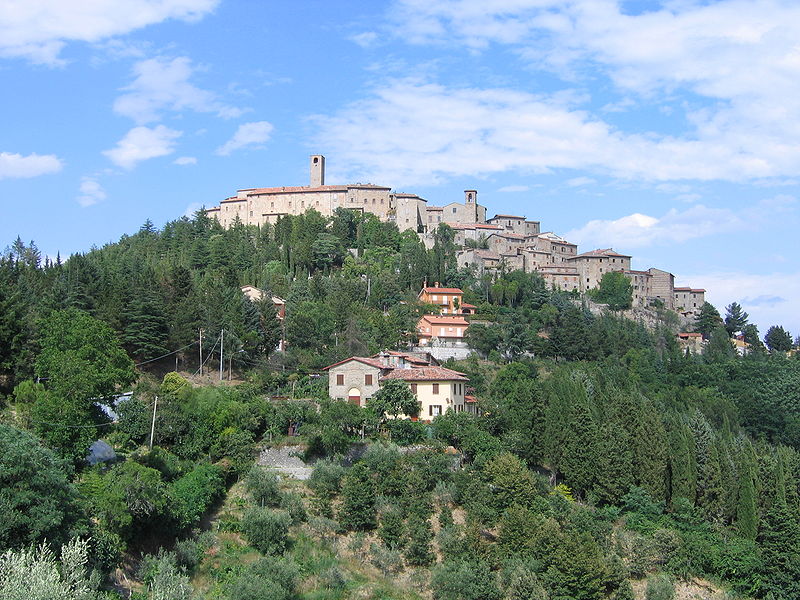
272	577
292	503
266	529
191	495
262	485
464	581
326	478
660	587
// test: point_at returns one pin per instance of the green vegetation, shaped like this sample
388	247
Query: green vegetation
601	459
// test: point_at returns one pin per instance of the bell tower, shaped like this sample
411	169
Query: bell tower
317	169
471	204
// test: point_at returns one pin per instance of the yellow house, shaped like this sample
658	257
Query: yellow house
437	389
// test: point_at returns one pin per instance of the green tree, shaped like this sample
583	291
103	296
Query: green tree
418	541
37	500
395	398
461	580
266	529
778	339
719	348
707	320
615	290
735	318
358	499
37	573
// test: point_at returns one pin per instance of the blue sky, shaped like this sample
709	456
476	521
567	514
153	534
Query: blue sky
667	130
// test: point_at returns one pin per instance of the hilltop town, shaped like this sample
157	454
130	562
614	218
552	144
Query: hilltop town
489	245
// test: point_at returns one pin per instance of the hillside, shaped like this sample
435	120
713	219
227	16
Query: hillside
602	461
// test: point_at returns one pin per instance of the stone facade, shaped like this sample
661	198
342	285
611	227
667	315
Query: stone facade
515	224
592	265
355	379
662	287
259	206
689	300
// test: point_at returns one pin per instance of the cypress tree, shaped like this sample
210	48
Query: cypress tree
746	509
682	465
418	541
358	499
581	448
709	473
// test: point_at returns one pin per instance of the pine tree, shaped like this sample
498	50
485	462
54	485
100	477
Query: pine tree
358	499
391	527
708	320
735	318
418	541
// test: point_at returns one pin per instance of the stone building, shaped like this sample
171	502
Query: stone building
689	300
258	206
515	224
592	265
662	287
355	379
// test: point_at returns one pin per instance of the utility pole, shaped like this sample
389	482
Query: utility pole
201	352
153	424
221	346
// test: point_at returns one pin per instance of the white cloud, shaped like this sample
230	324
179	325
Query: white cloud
676	226
91	192
756	292
142	143
38	29
163	84
365	39
185	160
732	67
411	132
33	165
247	135
514	188
580	181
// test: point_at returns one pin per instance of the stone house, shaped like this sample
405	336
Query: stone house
662	287
592	265
515	224
355	379
689	300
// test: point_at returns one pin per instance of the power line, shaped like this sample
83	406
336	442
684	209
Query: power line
144	362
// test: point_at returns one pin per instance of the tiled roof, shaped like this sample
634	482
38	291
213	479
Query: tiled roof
367	361
511	236
425	374
434	208
688	289
601	253
470	399
441	290
506	217
467	305
445	320
690	335
319	188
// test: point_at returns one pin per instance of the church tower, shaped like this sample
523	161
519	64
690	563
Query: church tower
471	203
317	167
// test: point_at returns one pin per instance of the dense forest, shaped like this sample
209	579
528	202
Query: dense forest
604	461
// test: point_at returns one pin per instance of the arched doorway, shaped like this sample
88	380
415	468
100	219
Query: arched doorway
354	396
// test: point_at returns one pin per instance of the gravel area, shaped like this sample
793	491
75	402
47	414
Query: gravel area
286	460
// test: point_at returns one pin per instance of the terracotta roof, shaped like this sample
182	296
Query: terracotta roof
506	217
688	289
467	305
470	399
487	254
409	357
319	188
445	320
442	290
690	335
637	272
513	236
367	361
434	208
425	374
601	253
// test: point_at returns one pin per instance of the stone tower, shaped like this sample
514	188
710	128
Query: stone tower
317	167
471	204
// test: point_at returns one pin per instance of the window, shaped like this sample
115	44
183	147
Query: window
454	210
435	388
435	410
368	379
340	379
272	205
414	388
